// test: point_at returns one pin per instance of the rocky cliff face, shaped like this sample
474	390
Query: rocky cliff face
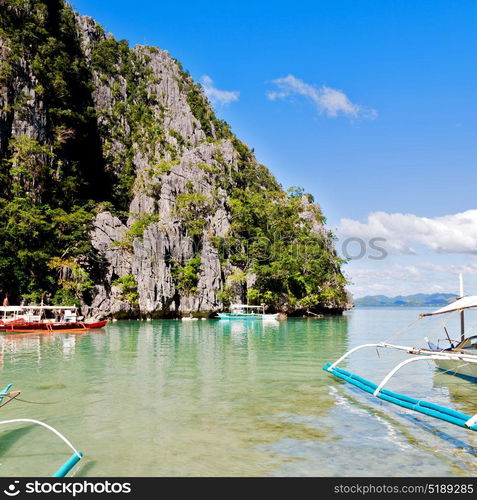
168	179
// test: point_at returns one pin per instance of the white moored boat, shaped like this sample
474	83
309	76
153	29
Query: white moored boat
244	311
465	346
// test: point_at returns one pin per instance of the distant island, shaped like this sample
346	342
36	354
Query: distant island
418	299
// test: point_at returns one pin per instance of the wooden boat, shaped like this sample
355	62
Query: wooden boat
22	319
66	467
459	359
48	326
243	311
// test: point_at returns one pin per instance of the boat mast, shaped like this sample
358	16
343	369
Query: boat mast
462	329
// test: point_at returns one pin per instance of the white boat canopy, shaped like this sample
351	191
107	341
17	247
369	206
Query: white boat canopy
246	306
60	308
6	309
458	305
23	308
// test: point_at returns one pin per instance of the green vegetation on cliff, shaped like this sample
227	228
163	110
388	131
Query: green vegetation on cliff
128	289
49	186
77	158
270	239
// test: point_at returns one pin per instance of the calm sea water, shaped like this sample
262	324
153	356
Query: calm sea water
230	398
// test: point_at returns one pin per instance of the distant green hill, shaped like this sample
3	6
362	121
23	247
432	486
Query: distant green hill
418	299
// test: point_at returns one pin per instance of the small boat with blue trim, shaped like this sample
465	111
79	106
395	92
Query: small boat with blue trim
458	358
245	311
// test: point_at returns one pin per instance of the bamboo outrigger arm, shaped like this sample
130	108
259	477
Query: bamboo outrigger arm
346	354
379	345
427	354
398	367
71	462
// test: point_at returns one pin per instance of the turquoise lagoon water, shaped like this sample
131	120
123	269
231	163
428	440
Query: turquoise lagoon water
230	398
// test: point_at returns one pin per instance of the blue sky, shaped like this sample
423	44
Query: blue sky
401	79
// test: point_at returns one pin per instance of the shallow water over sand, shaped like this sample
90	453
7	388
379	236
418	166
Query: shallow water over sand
229	398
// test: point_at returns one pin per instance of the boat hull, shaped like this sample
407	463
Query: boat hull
21	327
262	317
458	368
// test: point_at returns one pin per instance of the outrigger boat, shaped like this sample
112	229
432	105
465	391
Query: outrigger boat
22	319
244	311
459	359
66	467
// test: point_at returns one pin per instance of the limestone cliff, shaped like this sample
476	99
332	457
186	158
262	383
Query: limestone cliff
174	195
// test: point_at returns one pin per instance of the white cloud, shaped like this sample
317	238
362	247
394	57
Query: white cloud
329	101
396	279
455	233
407	279
217	96
448	244
454	269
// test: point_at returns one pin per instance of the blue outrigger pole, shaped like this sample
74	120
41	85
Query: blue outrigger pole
424	407
69	464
